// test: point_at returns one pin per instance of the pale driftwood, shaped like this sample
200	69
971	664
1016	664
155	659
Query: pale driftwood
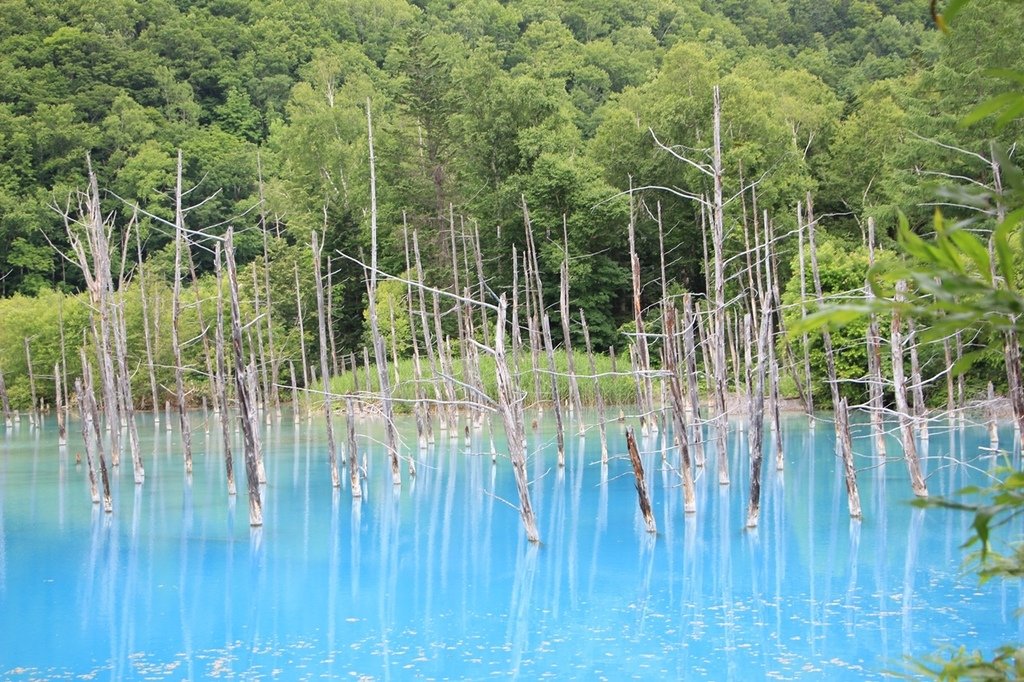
845	443
598	398
917	482
242	389
510	404
332	459
641	482
220	378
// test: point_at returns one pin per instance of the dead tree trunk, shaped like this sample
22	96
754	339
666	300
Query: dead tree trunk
179	382
353	465
691	380
555	398
846	447
90	399
510	404
643	353
62	432
875	383
390	435
563	307
220	378
242	389
826	336
641	482
332	458
88	428
598	398
5	401
903	410
145	331
756	435
806	344
672	356
34	410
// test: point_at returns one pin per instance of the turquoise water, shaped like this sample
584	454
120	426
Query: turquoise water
434	579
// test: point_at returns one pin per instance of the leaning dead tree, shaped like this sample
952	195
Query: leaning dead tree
510	404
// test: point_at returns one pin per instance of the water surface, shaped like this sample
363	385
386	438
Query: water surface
434	579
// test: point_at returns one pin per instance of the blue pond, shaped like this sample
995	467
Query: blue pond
435	580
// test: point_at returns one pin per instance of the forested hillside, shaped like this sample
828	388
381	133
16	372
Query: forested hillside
479	106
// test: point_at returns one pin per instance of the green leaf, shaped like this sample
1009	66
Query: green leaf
1004	252
973	249
953	8
1011	113
966	361
1006	74
988	107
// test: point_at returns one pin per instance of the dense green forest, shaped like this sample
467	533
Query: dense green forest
478	106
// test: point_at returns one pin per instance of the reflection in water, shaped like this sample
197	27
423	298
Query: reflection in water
519	610
909	576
